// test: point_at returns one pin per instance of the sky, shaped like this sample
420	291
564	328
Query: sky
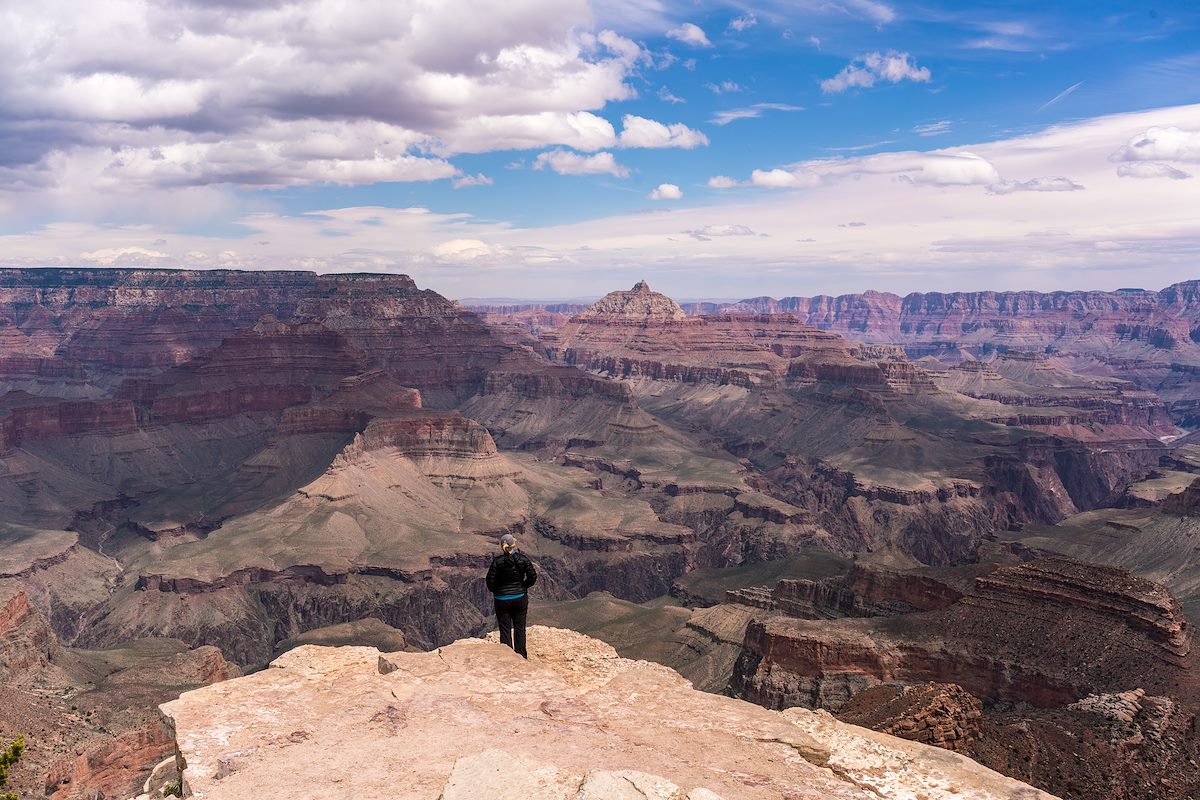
558	149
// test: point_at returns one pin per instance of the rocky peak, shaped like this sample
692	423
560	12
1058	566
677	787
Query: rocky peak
637	304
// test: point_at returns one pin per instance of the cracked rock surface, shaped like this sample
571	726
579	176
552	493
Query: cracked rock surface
575	722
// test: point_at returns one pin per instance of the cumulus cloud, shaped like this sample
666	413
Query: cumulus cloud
866	70
941	169
783	179
721	182
464	250
565	162
1162	144
665	95
750	112
289	92
1151	169
1054	184
123	256
642	132
666	191
689	33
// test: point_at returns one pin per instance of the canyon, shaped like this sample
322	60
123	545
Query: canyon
213	467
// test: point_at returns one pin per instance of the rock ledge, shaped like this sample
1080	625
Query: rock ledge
575	722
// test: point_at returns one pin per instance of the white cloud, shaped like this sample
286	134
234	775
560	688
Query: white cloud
937	168
689	34
865	70
944	234
464	250
472	180
666	191
642	132
565	162
135	96
1054	184
739	24
783	179
1151	169
750	112
581	130
945	169
123	256
721	182
1162	144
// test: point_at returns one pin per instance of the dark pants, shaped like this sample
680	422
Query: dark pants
510	617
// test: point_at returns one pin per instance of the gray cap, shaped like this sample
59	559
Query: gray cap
508	539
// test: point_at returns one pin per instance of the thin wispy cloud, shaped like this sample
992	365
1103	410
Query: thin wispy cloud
724	87
750	112
1060	96
666	96
707	232
472	180
933	128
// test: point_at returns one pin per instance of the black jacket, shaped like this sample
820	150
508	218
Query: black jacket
511	573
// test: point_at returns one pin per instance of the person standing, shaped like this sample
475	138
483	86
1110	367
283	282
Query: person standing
508	579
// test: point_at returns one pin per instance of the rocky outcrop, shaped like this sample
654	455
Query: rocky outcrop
28	646
1050	647
578	722
1185	503
864	591
1094	628
938	714
638	304
644	334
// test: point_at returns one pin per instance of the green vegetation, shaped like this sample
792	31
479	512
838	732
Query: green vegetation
173	789
8	756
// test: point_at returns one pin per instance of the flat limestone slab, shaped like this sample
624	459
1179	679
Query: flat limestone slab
575	722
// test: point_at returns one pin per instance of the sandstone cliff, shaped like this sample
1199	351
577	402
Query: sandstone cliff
474	720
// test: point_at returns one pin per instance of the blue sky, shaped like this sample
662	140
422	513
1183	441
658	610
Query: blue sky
555	148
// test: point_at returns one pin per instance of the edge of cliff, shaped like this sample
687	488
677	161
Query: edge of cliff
576	721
